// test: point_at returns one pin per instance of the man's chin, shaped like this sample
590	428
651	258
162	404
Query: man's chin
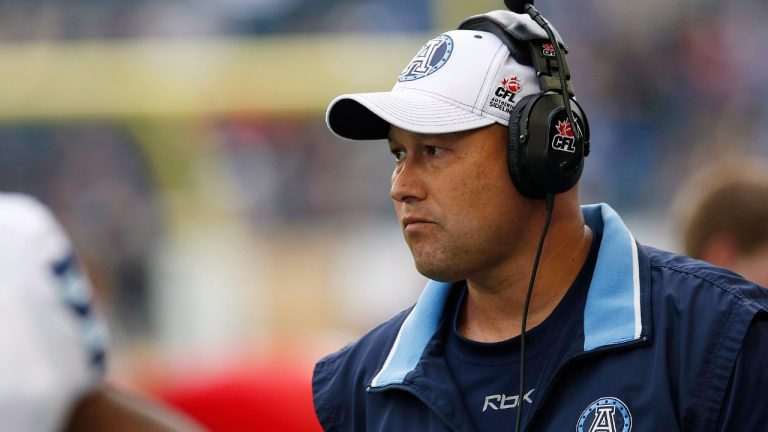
439	273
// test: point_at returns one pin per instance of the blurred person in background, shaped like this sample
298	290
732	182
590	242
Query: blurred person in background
623	337
53	353
722	214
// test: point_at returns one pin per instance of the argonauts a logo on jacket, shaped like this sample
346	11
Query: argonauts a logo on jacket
608	414
431	57
505	93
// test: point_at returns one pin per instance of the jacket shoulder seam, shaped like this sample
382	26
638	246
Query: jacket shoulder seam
709	281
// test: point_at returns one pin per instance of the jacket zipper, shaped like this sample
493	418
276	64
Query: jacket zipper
410	390
568	362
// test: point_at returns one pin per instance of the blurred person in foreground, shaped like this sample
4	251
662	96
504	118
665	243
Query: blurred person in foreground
614	336
52	348
722	214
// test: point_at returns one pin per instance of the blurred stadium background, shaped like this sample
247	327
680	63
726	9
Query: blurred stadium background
232	240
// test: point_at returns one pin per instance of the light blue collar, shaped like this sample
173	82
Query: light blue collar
611	315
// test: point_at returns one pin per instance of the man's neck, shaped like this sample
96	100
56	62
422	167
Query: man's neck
493	307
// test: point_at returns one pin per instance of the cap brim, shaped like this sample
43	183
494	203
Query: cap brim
368	116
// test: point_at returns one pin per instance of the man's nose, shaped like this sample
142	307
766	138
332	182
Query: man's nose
407	183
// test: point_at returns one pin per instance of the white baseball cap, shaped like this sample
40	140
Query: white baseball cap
460	80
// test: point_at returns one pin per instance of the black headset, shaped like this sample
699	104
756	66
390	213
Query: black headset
548	131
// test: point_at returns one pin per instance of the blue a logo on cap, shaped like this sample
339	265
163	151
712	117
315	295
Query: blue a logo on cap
432	56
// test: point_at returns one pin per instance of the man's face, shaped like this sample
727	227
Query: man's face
458	209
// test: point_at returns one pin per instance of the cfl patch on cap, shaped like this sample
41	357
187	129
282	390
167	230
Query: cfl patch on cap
504	97
459	80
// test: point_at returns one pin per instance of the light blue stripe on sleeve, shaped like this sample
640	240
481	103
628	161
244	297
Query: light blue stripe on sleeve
414	335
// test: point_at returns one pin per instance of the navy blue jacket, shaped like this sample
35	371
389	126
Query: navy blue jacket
665	343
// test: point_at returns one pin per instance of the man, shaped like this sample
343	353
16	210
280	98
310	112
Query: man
722	212
621	337
52	349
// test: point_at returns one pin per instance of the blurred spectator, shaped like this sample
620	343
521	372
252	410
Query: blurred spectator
52	346
97	181
722	212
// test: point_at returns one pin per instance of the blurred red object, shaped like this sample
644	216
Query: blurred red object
270	397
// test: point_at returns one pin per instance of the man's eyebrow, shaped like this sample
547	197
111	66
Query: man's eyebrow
391	140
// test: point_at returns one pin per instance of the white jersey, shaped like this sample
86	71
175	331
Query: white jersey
51	347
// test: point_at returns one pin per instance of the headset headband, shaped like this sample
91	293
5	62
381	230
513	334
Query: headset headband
511	27
548	132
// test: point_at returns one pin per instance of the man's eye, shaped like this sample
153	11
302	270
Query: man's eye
434	151
398	154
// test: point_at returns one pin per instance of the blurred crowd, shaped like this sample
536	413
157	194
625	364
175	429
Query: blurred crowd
667	87
91	19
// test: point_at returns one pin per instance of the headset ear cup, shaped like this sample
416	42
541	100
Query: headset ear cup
514	151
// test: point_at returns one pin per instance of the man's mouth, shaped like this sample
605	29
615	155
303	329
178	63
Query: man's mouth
414	222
